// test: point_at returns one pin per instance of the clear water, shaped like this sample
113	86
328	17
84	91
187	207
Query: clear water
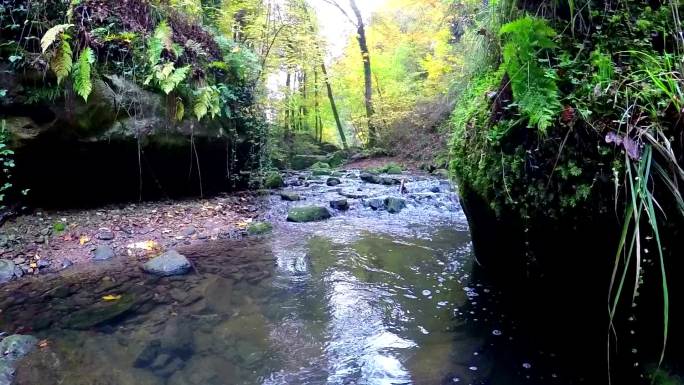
364	298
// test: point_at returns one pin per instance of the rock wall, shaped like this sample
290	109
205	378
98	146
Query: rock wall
119	146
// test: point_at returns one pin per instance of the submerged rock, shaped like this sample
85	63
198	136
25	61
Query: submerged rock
99	313
12	349
103	253
6	270
339	204
370	178
308	214
167	264
290	196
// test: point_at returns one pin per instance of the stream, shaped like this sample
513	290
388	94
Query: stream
365	297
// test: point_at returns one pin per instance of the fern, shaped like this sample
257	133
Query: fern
51	35
534	88
82	83
161	39
207	102
61	63
180	110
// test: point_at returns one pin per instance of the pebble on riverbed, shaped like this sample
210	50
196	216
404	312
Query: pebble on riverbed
167	264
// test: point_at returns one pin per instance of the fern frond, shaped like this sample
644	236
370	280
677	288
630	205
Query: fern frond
82	83
164	34
180	110
51	35
62	63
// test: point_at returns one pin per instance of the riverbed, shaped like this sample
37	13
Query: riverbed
369	296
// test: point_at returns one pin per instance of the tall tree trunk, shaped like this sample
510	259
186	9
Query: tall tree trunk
368	82
288	128
333	106
317	110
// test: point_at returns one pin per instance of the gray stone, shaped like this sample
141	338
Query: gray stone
395	205
340	204
167	264
6	270
105	235
290	196
188	231
353	195
103	253
375	203
370	178
333	182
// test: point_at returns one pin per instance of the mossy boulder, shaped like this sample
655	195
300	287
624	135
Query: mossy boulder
259	228
320	166
290	196
302	162
320	172
274	180
308	214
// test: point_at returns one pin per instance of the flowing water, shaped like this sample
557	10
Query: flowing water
366	297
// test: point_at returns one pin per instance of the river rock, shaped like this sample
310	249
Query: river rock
188	231
17	346
375	203
395	205
353	194
308	214
340	204
167	264
99	313
259	228
274	180
389	181
290	196
103	253
320	172
370	178
6	270
105	235
333	182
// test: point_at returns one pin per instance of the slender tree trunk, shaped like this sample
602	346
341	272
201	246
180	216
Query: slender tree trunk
288	128
368	82
333	106
317	110
328	87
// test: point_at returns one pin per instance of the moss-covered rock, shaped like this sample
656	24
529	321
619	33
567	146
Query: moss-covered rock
308	214
99	313
274	180
320	166
320	171
259	228
290	196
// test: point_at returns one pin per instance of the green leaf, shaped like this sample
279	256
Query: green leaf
61	63
51	35
82	83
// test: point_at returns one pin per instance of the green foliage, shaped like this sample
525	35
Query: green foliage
6	163
83	84
528	41
207	102
61	63
51	35
389	168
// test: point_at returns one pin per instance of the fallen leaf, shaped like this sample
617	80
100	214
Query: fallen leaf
83	240
111	297
43	344
33	265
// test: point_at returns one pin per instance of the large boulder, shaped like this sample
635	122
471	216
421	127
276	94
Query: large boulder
308	214
167	264
12	349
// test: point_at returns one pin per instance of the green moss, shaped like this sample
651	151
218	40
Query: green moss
259	228
58	227
308	214
389	168
273	180
320	166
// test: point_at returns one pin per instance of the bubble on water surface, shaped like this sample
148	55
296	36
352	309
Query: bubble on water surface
473	368
526	365
423	330
496	332
426	292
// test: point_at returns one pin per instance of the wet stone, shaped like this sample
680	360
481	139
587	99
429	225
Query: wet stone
333	182
353	194
339	204
103	253
105	235
188	231
290	196
167	264
99	313
6	270
308	214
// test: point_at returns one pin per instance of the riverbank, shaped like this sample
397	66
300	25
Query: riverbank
48	241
